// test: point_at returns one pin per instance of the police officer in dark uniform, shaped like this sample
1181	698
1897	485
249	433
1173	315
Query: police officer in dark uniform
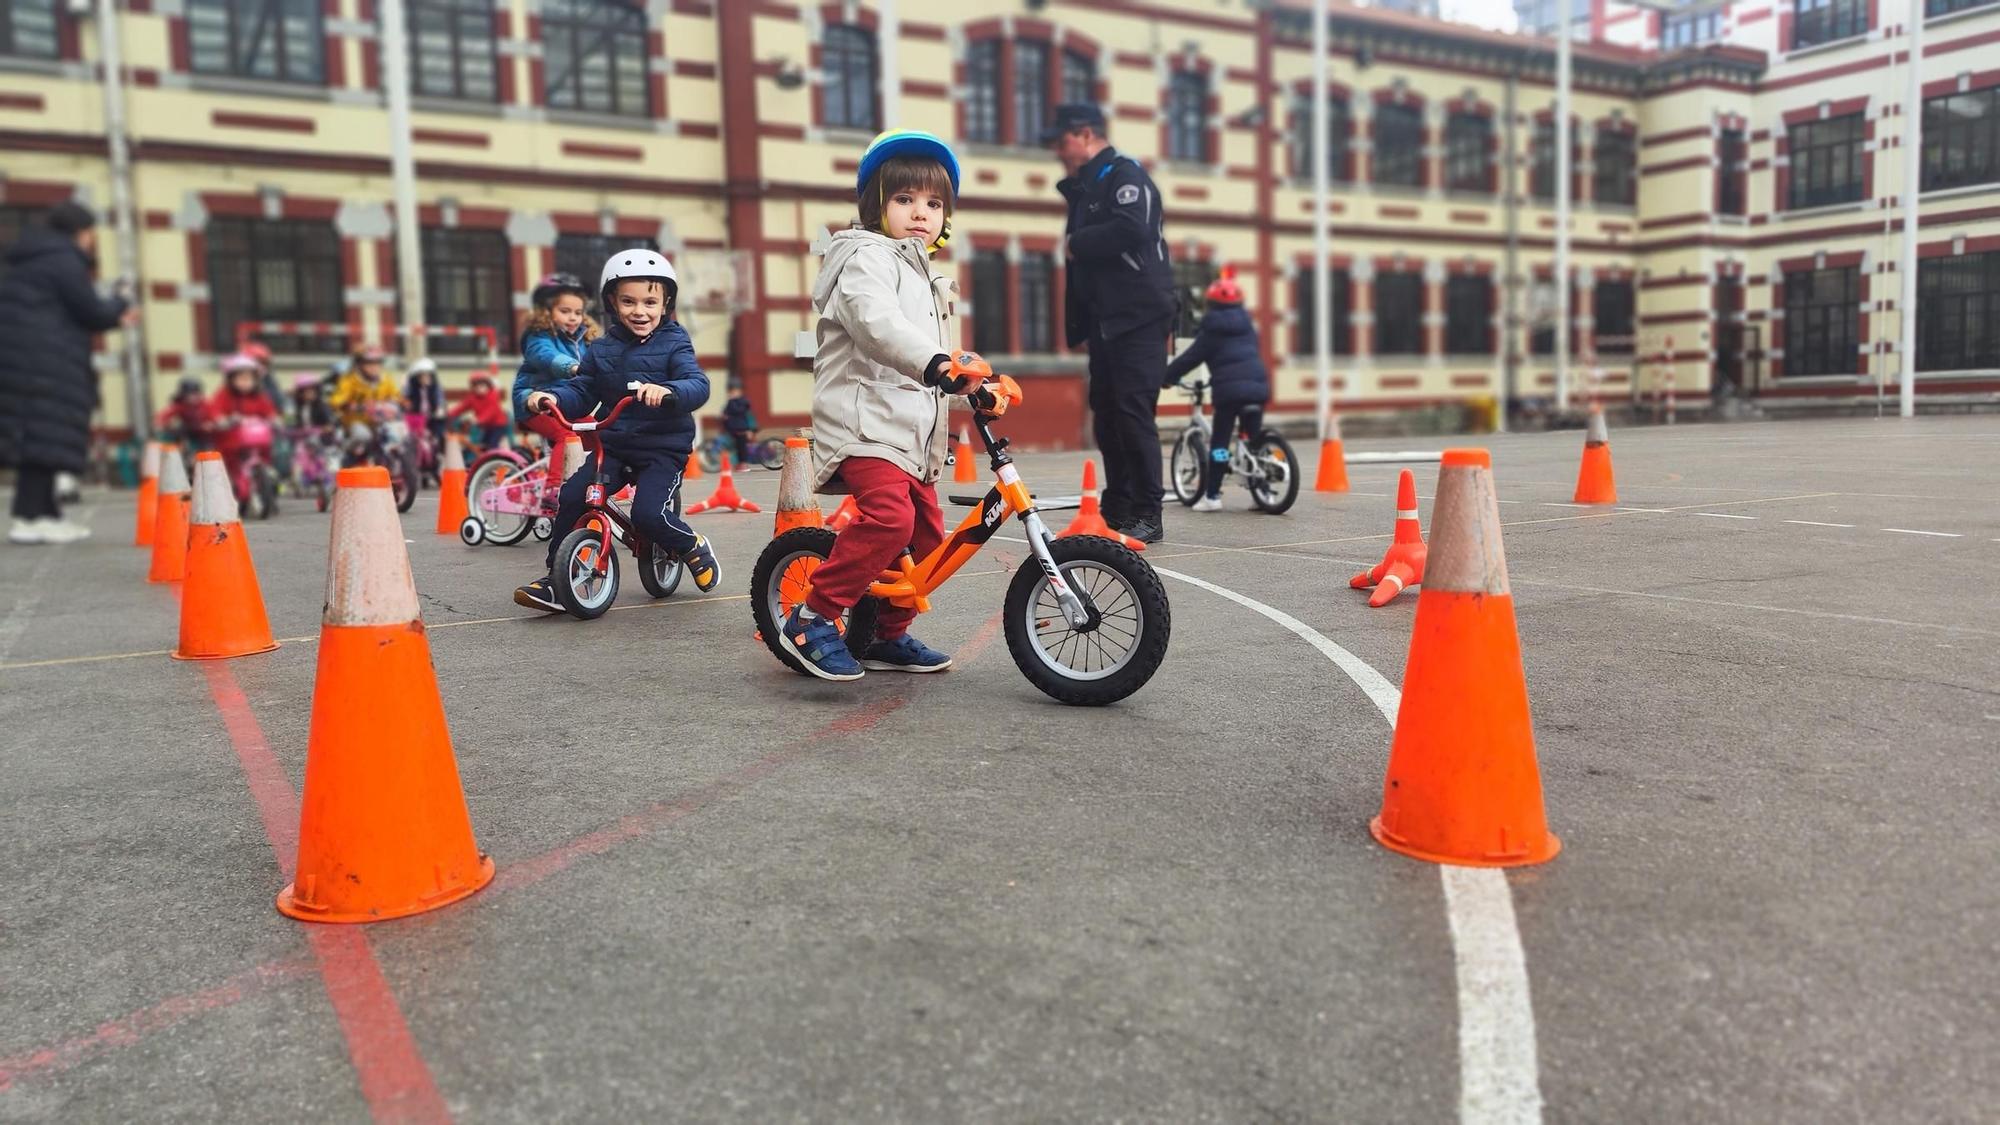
1120	301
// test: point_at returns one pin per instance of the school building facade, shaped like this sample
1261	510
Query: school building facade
1737	215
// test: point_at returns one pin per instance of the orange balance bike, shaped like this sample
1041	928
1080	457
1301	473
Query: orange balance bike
1087	623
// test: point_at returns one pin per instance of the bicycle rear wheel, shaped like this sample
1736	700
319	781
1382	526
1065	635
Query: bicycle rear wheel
498	478
1189	457
782	577
1274	483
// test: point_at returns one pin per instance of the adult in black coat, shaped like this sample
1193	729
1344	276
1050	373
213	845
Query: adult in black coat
49	310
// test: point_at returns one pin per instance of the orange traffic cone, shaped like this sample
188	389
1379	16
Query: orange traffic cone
170	524
149	493
452	508
1462	786
1090	519
222	610
847	513
1594	484
725	495
1332	459
965	467
1404	564
796	506
383	830
693	470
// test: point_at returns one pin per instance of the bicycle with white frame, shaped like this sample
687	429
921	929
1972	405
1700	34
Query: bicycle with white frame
1264	461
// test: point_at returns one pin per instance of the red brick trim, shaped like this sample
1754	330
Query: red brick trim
33	103
604	152
223	118
451	137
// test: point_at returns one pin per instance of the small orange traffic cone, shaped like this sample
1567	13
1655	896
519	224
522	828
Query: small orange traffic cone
1594	483
965	466
847	513
1462	786
796	506
693	470
383	829
149	493
1090	518
170	524
452	508
1332	459
1404	564
725	496
222	609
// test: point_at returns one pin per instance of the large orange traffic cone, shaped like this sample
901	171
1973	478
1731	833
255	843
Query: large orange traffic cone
796	506
1404	564
1090	518
383	830
170	523
451	487
725	496
1463	786
222	610
149	493
965	463
1594	483
1332	459
847	513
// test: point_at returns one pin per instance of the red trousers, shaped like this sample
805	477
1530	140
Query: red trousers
897	511
551	432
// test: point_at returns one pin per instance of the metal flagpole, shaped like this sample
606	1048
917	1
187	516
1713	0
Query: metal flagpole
138	404
1913	151
889	28
403	170
1563	142
1322	229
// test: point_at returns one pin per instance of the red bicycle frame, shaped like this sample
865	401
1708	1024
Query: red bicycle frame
595	502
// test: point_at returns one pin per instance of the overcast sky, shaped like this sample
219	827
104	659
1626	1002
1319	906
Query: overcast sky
1496	14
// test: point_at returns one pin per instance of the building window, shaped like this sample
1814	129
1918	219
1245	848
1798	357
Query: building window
1542	337
1079	79
1946	7
1826	160
1302	137
1037	303
28	29
275	270
1031	90
847	77
1733	171
1962	139
1187	117
1303	342
451	49
1822	321
1399	145
1690	29
1468	152
585	254
1614	178
1827	21
1191	281
468	283
595	57
1542	160
1468	316
1958	306
1611	309
1399	314
982	92
275	39
989	303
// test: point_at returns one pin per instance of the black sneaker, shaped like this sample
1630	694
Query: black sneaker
702	565
539	594
1145	529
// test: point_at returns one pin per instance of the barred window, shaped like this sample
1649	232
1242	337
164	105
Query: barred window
990	303
1542	159
1822	321
1468	152
1399	314
595	57
1827	21
1191	280
1305	309
1031	90
1962	139
1690	29
1079	79
1399	145
1945	7
1037	302
1187	117
1826	161
1615	178
847	77
1733	166
585	254
1958	311
467	282
1302	137
452	49
982	92
270	269
28	29
1468	315
1612	310
1542	337
282	40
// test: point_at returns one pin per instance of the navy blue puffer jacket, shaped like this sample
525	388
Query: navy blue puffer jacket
1227	342
617	358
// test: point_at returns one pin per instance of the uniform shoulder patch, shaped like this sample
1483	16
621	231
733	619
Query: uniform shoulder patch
1128	194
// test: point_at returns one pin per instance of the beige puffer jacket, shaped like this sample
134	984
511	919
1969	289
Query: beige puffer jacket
883	317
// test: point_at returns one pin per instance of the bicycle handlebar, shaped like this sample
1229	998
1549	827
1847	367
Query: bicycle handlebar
585	425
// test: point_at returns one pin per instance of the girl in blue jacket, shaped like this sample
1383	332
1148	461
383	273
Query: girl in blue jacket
1227	343
552	344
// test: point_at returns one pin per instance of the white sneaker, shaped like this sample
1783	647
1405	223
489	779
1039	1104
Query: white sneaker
1208	504
45	531
63	531
26	532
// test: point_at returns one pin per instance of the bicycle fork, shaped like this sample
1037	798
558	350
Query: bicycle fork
1077	609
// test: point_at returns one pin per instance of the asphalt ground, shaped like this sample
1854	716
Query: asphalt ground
1766	692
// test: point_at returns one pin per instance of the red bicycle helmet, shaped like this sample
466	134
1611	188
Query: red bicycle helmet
1224	290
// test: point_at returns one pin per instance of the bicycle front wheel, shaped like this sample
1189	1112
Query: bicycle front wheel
1117	651
1190	454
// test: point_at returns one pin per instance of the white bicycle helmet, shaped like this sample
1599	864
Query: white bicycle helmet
418	366
638	262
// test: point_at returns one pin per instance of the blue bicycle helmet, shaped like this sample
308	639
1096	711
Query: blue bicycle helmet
905	142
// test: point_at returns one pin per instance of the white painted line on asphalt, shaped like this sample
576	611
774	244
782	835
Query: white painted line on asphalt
1817	523
1724	516
1498	1078
1914	531
1653	510
1561	504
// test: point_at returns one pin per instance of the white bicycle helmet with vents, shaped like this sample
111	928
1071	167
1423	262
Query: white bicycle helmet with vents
638	262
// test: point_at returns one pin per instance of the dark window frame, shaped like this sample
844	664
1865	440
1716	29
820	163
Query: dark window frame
580	34
585	254
1947	7
1342	310
1542	159
1468	153
480	262
470	36
1192	277
1961	150
1187	117
245	255
246	60
1822	321
992	304
1077	80
1732	166
10	29
1542	341
1614	176
1468	315
848	56
1338	130
1029	100
1958	311
1396	135
985	92
1035	297
1690	29
1827	161
1402	327
1816	23
1614	316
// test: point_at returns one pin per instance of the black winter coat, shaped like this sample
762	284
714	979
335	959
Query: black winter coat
49	310
617	358
1119	278
1227	342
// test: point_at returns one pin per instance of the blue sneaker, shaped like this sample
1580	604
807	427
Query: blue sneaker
819	645
904	654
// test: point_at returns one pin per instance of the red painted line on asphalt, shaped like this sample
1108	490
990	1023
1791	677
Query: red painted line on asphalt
395	1081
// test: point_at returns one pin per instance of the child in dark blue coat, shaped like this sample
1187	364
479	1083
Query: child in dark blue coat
648	445
739	420
1237	379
